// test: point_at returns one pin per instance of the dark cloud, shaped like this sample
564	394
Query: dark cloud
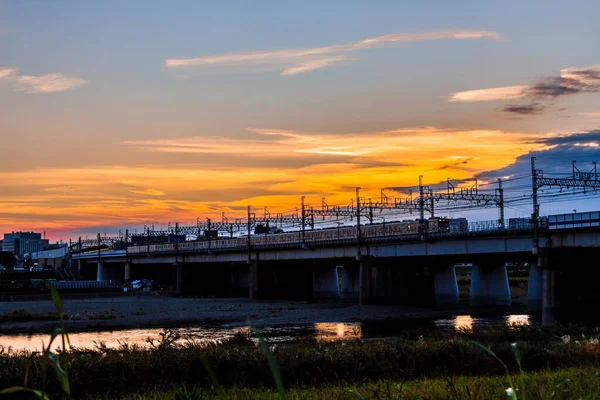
525	109
460	164
556	160
570	82
588	74
556	86
586	137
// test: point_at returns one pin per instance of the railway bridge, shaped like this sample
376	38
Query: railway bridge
391	267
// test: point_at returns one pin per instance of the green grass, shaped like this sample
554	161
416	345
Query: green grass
243	363
443	365
575	383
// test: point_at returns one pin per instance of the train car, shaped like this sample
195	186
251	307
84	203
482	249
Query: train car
574	220
438	225
459	225
519	224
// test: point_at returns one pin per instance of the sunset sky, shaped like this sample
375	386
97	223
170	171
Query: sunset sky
116	114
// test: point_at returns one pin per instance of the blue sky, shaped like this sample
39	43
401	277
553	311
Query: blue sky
100	128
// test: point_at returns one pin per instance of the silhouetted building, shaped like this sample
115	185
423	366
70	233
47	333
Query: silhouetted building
54	257
20	243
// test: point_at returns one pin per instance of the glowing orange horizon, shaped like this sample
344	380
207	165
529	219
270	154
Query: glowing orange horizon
60	200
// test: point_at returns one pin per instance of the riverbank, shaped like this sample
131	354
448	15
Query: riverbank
148	311
311	366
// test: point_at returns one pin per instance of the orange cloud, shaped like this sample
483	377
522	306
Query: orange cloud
60	199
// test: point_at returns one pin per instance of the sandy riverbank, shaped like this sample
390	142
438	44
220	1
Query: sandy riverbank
154	311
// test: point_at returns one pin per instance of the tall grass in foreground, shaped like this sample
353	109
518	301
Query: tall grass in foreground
444	365
129	369
48	358
577	383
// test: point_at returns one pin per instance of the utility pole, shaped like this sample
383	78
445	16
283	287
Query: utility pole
303	221
208	233
148	240
536	209
501	203
358	233
421	209
421	200
176	242
249	229
431	203
99	241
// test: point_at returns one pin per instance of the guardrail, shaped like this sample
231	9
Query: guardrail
70	285
380	233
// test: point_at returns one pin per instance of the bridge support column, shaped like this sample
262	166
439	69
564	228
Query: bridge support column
364	294
127	272
489	285
550	297
99	271
253	280
446	285
535	288
179	280
240	282
79	266
325	283
350	283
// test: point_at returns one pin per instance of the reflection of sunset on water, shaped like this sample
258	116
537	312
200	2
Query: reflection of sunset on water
522	320
463	322
326	331
87	340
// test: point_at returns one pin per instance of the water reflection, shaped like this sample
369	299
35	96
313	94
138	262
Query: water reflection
463	323
468	322
327	332
520	320
82	339
322	332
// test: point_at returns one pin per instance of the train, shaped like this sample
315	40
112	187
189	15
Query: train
435	226
412	228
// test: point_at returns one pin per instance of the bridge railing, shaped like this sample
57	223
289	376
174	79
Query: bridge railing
341	236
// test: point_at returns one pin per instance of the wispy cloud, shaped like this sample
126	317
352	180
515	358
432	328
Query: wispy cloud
360	148
571	81
7	72
49	83
300	60
595	114
148	192
499	93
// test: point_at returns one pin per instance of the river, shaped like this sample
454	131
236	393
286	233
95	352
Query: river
274	334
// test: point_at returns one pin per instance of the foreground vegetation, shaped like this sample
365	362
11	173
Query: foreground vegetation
430	363
435	361
576	383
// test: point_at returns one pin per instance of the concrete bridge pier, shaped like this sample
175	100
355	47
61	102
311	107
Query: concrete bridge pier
446	285
535	288
127	272
253	279
179	284
240	282
364	272
550	297
489	285
99	270
350	283
325	282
